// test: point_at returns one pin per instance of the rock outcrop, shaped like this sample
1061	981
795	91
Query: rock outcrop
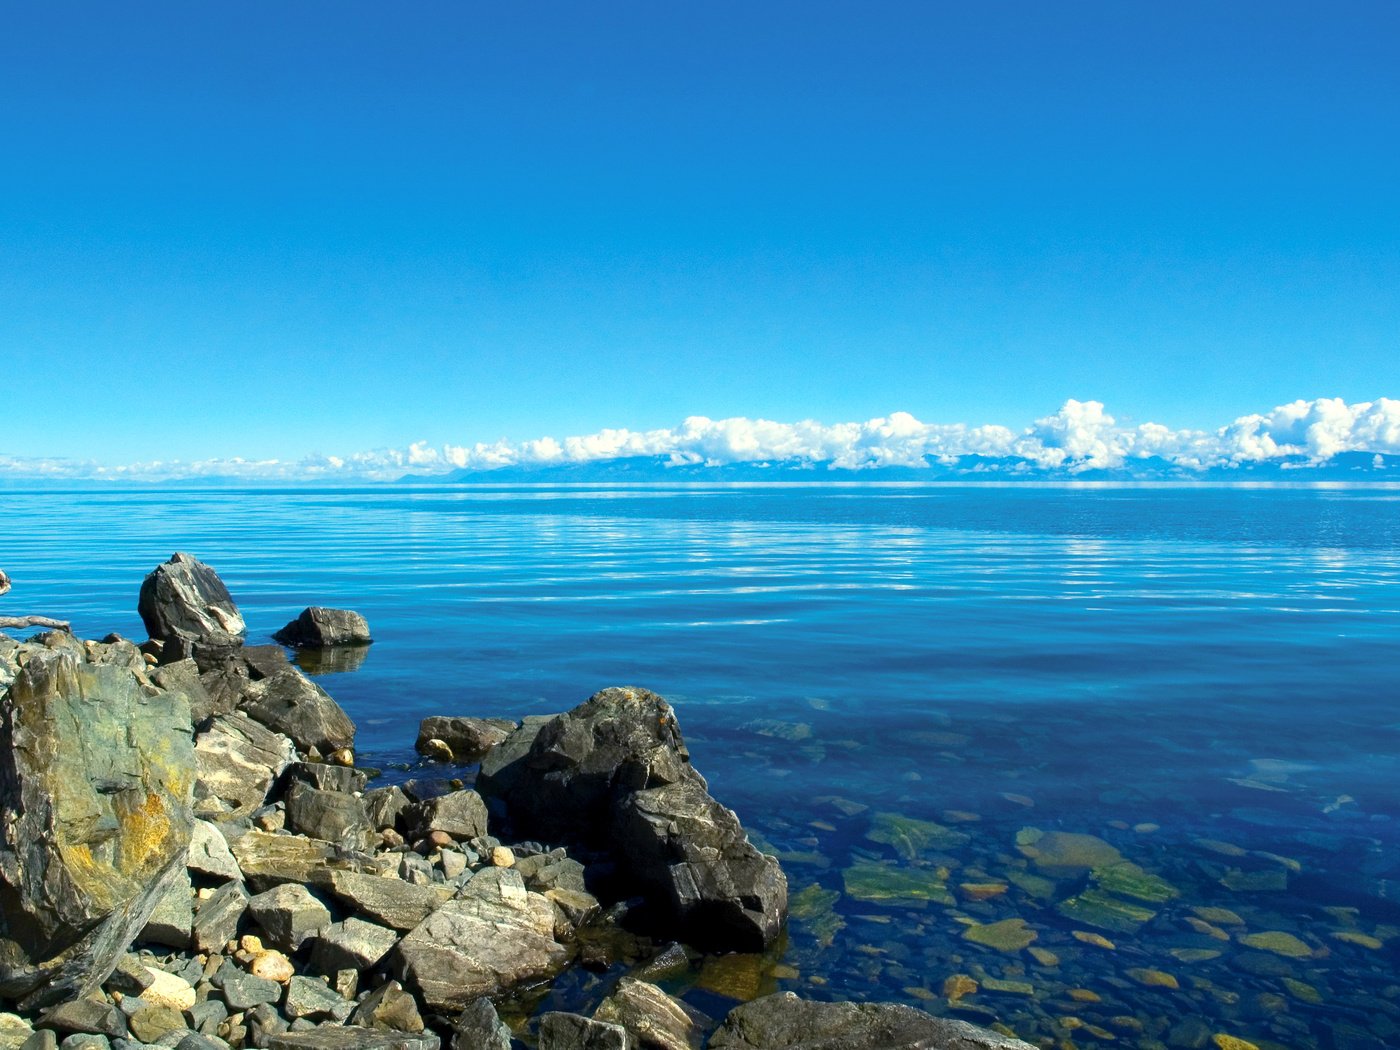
187	608
319	628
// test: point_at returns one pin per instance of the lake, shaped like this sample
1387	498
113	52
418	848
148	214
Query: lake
1098	764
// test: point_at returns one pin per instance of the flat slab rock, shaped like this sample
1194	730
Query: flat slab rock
349	1037
785	1022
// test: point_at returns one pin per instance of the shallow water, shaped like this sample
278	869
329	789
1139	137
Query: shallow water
1200	679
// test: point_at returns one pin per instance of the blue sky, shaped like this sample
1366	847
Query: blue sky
267	230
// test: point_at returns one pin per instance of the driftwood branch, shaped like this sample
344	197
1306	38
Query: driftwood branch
28	621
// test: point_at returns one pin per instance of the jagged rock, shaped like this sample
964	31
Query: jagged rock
461	814
390	1009
270	860
264	661
217	917
239	761
43	1039
312	998
388	901
96	775
130	976
467	739
289	914
561	1031
652	1018
152	1022
345	1037
331	816
173	916
494	936
503	767
198	1041
243	991
183	676
326	777
479	1027
209	853
292	704
207	1016
89	1016
320	628
385	807
787	1022
183	603
352	944
14	1031
614	774
264	1024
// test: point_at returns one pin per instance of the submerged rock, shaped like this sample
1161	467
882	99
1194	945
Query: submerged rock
320	628
184	604
466	739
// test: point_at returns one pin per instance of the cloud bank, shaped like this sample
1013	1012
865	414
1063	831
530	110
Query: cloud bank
1081	437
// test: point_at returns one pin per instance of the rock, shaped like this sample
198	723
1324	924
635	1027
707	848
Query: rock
289	914
326	777
89	1016
184	603
785	1021
503	767
313	998
223	683
352	944
150	1024
466	739
130	976
243	991
43	1039
651	1017
460	814
292	704
503	857
239	760
385	806
200	1041
436	750
388	901
209	854
319	628
15	1030
86	1041
264	1023
173	916
168	989
270	860
96	775
331	816
478	1027
495	936
389	1008
337	1037
561	1031
272	965
207	1016
183	676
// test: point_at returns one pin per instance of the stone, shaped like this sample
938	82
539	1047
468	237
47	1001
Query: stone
292	704
272	965
200	1041
879	883
185	603
130	976
909	837
289	914
150	1024
264	1023
1097	908
168	989
466	739
243	991
43	1039
270	860
217	917
478	1027
14	1031
209	854
331	816
503	857
89	1016
783	1020
86	1041
384	807
495	936
206	1016
313	998
1008	935
321	628
460	814
173	916
435	750
388	901
652	1018
561	1031
96	778
1065	852
348	1037
239	760
389	1008
1279	942
183	676
326	777
352	944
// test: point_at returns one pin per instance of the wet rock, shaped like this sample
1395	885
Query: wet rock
614	774
346	1037
173	916
785	1021
352	944
466	739
184	604
289	914
460	814
321	628
390	1009
312	998
331	816
478	1027
292	704
217	917
561	1031
96	775
651	1017
388	901
239	760
495	936
85	1015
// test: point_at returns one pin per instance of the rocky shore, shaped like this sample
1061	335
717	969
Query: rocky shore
190	858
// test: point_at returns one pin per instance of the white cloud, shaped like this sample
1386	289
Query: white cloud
1080	436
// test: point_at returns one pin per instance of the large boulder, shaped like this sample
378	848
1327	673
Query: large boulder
318	628
185	605
785	1022
466	739
614	775
239	761
290	703
97	773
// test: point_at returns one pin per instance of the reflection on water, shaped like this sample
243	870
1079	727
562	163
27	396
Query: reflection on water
1097	765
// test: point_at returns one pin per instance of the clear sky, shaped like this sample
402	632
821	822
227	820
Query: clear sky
267	229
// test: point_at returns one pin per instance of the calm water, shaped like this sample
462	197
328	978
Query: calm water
1156	729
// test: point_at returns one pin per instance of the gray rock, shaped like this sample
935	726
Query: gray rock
388	901
461	814
43	1039
563	874
338	1037
320	628
173	916
263	1023
129	976
85	1041
312	998
467	738
200	1041
352	944
239	761
243	991
390	1009
183	601
96	771
209	854
89	1016
217	917
614	774
325	777
787	1022
151	1023
270	860
224	684
479	1027
292	704
328	815
495	936
264	661
561	1031
183	676
651	1017
288	914
384	807
205	1017
504	766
